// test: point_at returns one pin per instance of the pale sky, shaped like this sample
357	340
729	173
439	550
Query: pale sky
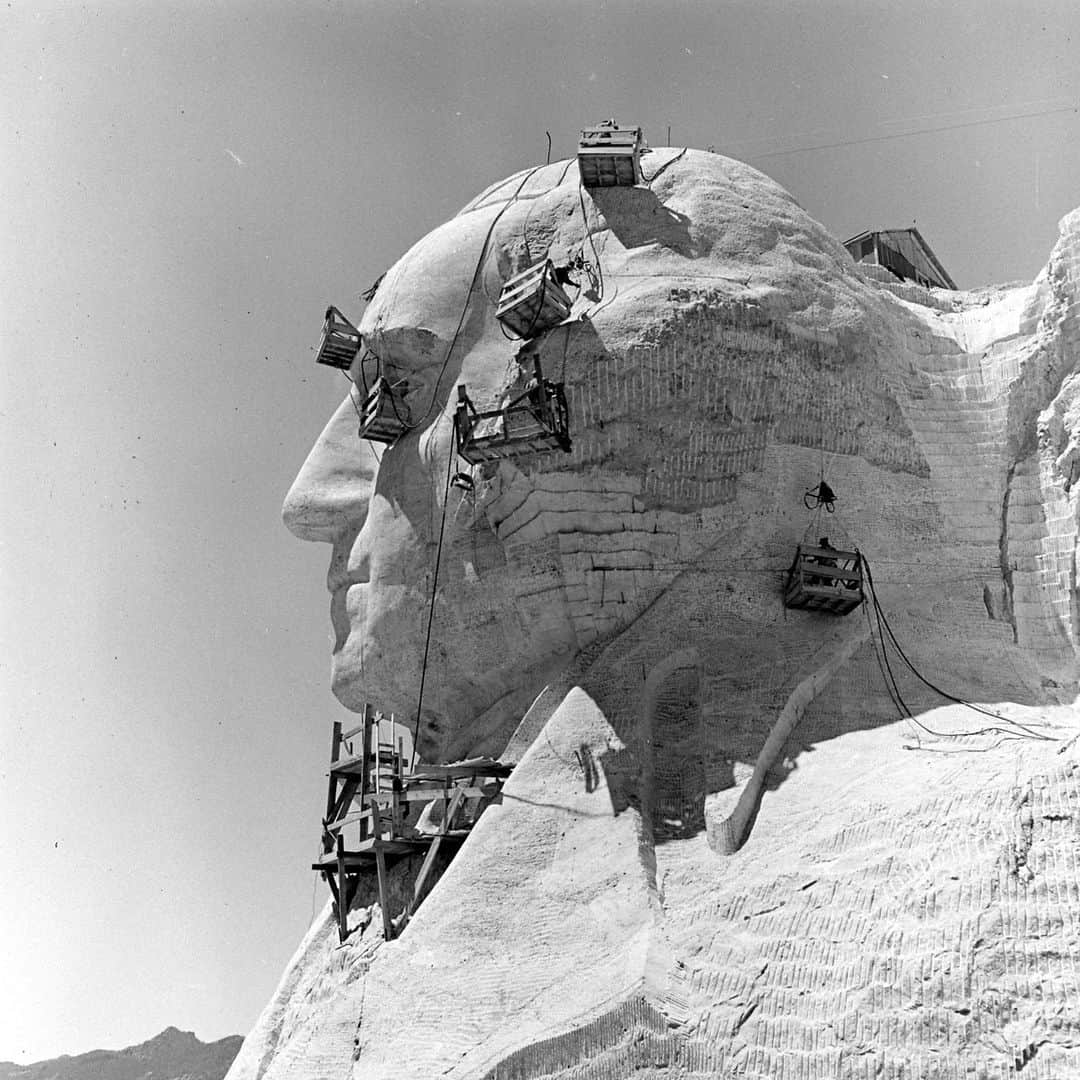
184	187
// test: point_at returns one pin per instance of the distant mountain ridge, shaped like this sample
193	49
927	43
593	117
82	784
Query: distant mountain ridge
172	1055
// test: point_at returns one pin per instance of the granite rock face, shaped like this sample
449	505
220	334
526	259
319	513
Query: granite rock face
721	852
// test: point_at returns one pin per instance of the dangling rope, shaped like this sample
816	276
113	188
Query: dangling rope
451	452
599	287
431	606
468	296
352	397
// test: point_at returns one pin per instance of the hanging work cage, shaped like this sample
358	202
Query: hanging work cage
533	301
610	156
536	422
824	579
384	415
340	341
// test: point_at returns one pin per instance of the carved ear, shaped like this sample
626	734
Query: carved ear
675	777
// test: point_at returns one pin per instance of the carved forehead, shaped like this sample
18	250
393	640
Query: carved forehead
703	214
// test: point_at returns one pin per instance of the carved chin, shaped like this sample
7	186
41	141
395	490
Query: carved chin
362	671
377	656
346	683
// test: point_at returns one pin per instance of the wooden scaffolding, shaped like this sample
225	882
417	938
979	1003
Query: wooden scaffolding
610	155
375	812
824	579
385	416
535	422
340	341
533	301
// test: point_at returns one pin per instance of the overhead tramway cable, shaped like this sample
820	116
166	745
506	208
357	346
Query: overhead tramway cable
916	131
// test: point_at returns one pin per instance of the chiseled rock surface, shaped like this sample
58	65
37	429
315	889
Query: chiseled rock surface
904	900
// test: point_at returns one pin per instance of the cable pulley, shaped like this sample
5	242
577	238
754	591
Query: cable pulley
820	496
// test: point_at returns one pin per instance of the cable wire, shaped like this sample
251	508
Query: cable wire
592	244
908	134
1019	730
352	387
663	168
431	607
468	295
881	665
450	450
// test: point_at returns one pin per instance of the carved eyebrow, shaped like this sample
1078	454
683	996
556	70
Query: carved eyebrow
409	347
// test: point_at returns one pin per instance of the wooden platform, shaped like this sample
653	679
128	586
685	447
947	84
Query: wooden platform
385	416
824	579
533	301
363	855
340	341
610	155
535	422
373	798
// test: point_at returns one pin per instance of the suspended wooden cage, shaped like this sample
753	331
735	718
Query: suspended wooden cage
824	579
610	156
536	422
384	415
533	301
340	341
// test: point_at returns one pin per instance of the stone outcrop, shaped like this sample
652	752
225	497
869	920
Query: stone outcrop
721	851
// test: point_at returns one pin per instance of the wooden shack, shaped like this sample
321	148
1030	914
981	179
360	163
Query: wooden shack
902	252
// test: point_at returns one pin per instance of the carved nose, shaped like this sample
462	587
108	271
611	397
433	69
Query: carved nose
332	490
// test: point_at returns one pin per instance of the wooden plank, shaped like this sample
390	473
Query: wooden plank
426	791
345	797
452	809
333	827
813	569
331	794
362	856
469	767
395	806
832	553
429	858
365	751
343	909
421	878
349	765
415	793
353	764
380	865
375	753
380	869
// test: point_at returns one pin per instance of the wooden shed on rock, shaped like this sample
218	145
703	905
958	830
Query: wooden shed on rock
904	253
